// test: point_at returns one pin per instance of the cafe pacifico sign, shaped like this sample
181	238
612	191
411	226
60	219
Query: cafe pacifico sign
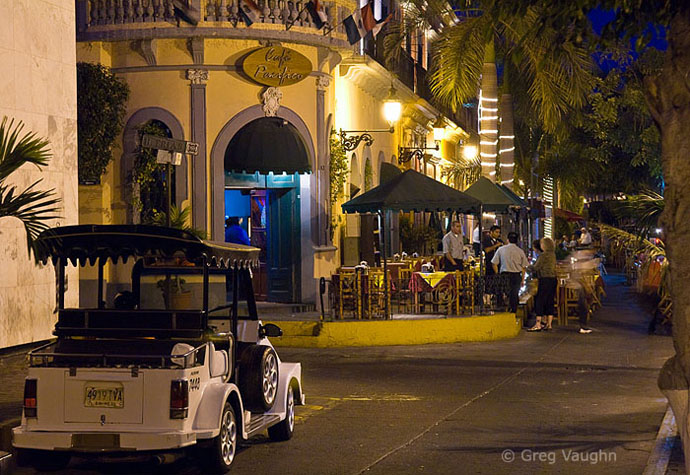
276	66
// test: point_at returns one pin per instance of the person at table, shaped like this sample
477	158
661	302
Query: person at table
453	248
512	262
585	238
545	268
234	232
490	243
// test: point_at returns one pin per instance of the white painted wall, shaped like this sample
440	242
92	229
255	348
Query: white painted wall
37	86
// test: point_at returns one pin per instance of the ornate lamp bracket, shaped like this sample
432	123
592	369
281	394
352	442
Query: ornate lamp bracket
352	142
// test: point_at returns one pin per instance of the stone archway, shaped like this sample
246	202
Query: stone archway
218	156
130	145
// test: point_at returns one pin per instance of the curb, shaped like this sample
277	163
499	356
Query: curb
397	332
6	427
6	463
663	445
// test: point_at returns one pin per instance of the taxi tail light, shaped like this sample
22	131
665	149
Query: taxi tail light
30	397
179	399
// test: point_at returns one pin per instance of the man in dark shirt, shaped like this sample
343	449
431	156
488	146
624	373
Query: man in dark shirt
490	243
234	232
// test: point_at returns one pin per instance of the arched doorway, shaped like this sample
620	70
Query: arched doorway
262	163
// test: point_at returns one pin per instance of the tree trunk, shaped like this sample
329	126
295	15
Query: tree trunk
488	114
668	96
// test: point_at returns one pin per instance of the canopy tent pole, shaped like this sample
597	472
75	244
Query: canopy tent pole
385	265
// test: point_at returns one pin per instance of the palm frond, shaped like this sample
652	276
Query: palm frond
16	151
461	173
644	209
458	56
33	207
632	242
179	218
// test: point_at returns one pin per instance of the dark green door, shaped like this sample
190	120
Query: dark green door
283	250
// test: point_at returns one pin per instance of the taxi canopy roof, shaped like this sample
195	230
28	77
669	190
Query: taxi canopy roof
90	243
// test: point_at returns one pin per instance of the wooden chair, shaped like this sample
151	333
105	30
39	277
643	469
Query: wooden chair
402	293
377	294
464	285
567	304
349	293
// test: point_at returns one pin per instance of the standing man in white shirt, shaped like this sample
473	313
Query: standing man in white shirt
513	263
585	237
453	248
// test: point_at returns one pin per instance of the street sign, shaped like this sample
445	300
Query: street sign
191	148
171	145
173	158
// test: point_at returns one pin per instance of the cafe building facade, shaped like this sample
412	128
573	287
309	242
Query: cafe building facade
260	101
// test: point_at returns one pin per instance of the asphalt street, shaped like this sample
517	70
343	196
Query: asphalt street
549	402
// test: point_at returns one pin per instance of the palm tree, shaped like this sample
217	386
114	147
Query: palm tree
33	207
544	71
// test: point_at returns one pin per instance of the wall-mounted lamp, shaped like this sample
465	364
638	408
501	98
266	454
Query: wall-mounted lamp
405	154
469	152
391	111
439	130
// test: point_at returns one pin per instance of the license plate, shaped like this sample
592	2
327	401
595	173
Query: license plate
103	394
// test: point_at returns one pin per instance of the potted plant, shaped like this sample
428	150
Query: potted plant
175	295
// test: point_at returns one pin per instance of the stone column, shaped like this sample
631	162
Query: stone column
322	163
198	78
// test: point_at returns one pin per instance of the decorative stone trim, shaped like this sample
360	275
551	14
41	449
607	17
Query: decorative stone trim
322	82
197	76
272	97
148	51
196	47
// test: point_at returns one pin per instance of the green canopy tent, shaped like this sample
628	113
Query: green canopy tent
495	198
410	191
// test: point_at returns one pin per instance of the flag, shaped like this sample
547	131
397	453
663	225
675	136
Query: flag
380	24
249	11
359	23
318	16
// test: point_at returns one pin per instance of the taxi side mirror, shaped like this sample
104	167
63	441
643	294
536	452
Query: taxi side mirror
270	330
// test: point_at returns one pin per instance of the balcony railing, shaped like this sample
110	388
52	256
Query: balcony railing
158	18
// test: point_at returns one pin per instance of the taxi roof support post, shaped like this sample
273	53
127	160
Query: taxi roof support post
61	283
235	294
204	264
101	303
249	291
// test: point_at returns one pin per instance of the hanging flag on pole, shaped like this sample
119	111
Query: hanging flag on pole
318	16
356	25
380	24
249	11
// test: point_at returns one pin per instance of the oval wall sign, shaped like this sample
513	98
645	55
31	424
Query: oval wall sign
276	66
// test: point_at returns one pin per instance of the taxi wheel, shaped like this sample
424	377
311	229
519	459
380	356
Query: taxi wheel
258	377
285	428
224	446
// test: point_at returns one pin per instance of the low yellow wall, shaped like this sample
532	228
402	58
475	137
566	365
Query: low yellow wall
397	332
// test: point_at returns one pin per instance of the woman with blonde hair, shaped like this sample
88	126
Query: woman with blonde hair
545	268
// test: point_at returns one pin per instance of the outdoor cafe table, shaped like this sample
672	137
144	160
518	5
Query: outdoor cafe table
441	283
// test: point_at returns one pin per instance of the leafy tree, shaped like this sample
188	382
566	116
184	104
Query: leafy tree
148	176
101	107
33	207
667	94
